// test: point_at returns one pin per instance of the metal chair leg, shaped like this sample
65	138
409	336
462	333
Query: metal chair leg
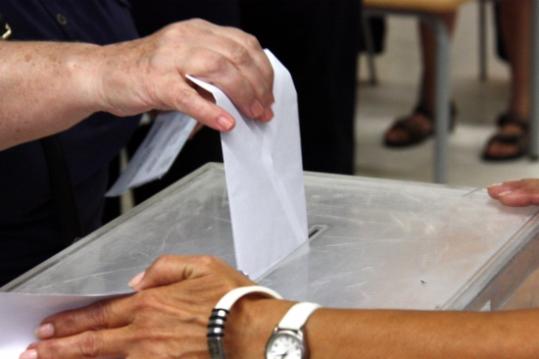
442	99
368	40
483	44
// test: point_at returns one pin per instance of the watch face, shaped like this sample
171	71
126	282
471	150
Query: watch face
285	345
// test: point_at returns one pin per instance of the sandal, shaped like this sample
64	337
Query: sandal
415	132
519	141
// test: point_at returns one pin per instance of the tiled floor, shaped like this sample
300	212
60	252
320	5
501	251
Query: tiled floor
478	104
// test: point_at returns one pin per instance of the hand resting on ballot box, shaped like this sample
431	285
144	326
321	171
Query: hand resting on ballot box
168	318
518	193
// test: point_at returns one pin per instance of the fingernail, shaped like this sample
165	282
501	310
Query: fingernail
45	331
29	354
495	185
504	193
225	123
136	280
268	114
257	109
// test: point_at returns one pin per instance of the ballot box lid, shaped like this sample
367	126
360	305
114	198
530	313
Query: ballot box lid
373	243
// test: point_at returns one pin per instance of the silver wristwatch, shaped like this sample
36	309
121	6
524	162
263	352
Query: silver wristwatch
288	340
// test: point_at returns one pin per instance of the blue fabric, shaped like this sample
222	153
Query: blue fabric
28	226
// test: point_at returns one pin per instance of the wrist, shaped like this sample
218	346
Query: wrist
84	68
250	325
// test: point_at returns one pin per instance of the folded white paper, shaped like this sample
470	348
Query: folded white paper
264	178
157	153
21	314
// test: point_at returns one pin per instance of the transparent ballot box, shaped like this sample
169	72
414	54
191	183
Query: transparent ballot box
373	244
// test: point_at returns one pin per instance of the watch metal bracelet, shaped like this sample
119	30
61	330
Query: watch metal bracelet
218	317
7	32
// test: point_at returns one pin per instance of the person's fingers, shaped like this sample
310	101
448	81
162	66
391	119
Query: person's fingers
217	69
517	199
169	269
246	53
187	100
505	187
103	344
516	193
247	41
514	185
245	63
256	51
495	190
534	199
113	313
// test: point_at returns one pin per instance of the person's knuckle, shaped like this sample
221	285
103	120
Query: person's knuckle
170	33
46	350
165	260
214	62
252	42
65	322
146	301
98	315
240	55
198	21
208	261
90	344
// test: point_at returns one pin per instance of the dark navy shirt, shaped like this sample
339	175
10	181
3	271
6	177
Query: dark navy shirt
29	228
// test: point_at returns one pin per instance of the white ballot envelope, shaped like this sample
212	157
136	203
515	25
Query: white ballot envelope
264	178
157	153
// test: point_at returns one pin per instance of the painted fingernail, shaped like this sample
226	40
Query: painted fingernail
225	123
29	354
45	331
257	109
136	280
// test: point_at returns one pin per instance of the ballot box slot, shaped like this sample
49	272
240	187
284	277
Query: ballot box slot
317	230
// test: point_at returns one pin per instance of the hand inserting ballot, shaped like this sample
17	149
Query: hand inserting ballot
133	77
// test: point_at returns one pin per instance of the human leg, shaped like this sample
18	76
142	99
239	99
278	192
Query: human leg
418	126
511	138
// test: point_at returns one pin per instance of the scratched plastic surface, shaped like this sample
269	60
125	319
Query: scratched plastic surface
383	244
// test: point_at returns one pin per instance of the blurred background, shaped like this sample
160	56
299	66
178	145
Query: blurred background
479	103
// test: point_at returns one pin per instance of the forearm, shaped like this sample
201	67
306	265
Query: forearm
409	334
333	333
45	87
